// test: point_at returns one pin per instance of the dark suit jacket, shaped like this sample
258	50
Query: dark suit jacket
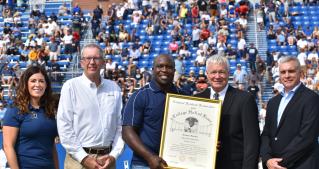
238	131
295	138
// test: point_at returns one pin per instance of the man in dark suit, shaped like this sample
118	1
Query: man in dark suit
289	138
238	131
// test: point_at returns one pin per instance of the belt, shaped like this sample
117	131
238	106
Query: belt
97	150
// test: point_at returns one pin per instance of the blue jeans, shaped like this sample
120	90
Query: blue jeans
134	166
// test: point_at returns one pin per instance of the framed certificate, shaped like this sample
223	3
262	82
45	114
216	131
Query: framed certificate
190	132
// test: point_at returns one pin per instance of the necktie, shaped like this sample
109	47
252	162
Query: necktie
216	96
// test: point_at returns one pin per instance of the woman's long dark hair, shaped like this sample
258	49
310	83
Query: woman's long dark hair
22	100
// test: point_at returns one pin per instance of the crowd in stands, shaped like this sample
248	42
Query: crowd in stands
132	33
292	29
30	35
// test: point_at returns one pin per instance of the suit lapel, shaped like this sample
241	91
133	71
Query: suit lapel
206	93
228	99
290	105
275	109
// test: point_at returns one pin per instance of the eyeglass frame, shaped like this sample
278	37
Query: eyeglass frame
89	59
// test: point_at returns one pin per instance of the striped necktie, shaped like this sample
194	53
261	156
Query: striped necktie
216	96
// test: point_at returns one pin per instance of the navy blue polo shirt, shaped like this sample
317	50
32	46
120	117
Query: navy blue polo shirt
35	139
145	110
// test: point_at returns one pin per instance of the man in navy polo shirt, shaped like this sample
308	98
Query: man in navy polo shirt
143	115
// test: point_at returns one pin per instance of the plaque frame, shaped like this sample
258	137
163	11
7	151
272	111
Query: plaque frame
194	124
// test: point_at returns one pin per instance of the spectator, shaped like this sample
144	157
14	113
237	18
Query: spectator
136	18
200	59
313	55
176	34
149	29
131	68
260	66
271	11
184	52
195	13
95	25
33	55
53	48
242	21
204	34
302	57
230	52
196	36
67	42
179	67
134	53
271	33
201	84
7	76
240	76
146	48
183	13
254	90
76	9
52	26
223	12
77	22
252	53
260	17
213	7
232	12
173	46
63	10
202	5
36	12
241	47
98	12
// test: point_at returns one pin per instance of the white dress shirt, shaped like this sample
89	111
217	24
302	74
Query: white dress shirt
221	94
90	116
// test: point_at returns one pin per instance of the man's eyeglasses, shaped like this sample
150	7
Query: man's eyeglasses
95	59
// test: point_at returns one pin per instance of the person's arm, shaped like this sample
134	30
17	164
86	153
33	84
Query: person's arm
65	124
9	139
251	133
55	157
133	140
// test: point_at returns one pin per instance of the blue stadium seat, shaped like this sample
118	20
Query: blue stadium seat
292	48
63	64
283	48
232	62
272	48
125	63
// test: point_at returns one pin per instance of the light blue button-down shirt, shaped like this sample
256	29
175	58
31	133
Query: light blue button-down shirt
286	97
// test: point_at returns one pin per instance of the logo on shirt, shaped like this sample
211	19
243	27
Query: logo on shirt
34	115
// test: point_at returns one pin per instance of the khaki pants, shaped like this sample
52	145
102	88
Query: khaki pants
70	163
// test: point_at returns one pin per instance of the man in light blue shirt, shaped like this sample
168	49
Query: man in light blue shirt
289	138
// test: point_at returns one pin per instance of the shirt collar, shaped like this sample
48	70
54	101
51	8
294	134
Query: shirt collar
89	83
221	93
31	108
283	93
154	86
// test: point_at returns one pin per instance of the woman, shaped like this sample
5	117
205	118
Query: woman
30	127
